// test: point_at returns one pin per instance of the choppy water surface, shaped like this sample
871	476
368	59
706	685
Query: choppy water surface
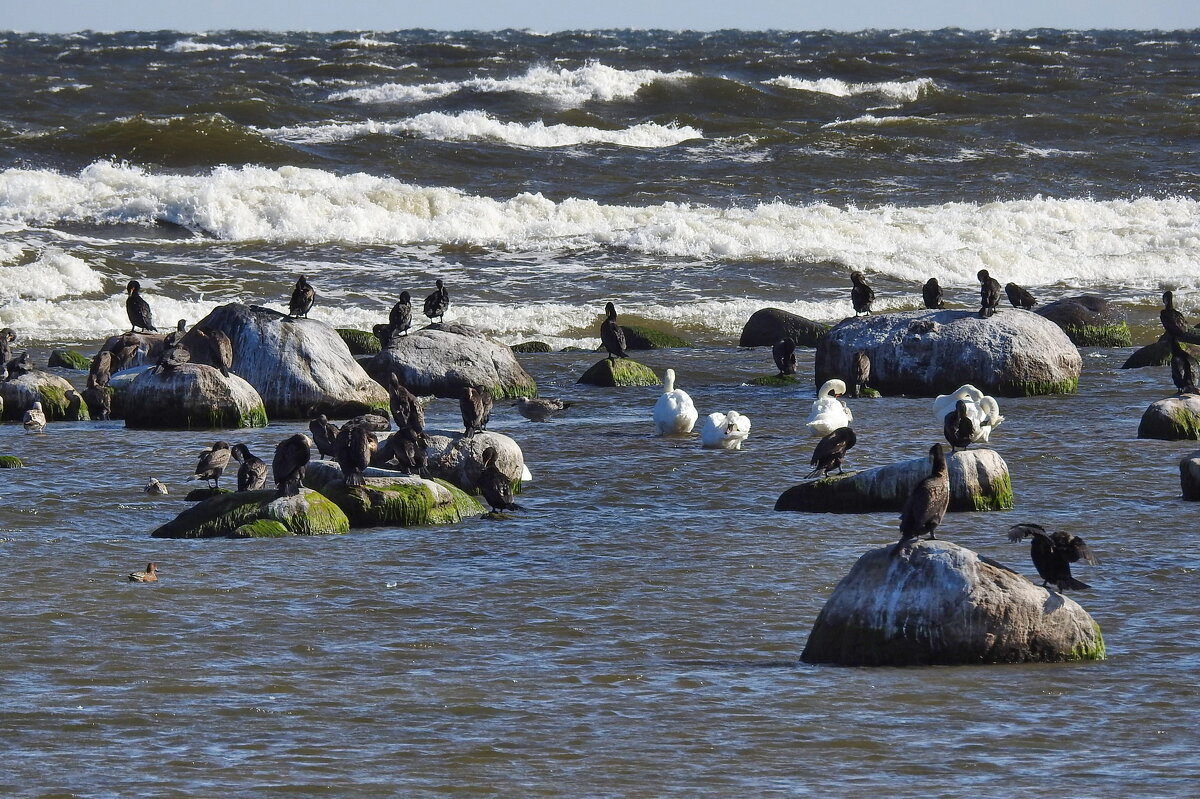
637	631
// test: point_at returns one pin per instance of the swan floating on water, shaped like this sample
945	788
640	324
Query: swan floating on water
674	412
828	412
724	430
982	409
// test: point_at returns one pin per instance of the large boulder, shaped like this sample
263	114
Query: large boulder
188	397
979	480
1014	353
769	326
1172	419
936	603
619	372
443	359
1189	476
647	338
257	514
458	458
392	499
60	401
1089	321
300	367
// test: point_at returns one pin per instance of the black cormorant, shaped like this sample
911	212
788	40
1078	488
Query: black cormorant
137	309
1019	297
287	467
1183	368
1053	554
216	347
400	318
211	464
611	334
406	409
476	407
931	293
355	446
960	426
989	293
252	474
303	297
784	354
1173	321
928	500
494	485
830	451
861	295
860	372
437	302
324	435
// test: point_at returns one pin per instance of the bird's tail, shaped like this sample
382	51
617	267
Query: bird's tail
355	479
1071	584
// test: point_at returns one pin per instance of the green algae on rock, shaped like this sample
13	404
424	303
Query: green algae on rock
11	462
647	338
360	342
392	499
776	381
233	514
619	372
69	359
1172	419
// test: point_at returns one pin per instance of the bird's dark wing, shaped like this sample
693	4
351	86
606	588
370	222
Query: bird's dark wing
1019	532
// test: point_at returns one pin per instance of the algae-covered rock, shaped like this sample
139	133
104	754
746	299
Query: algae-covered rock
776	381
11	462
1089	321
619	372
392	499
360	342
69	359
647	338
243	514
768	326
190	396
532	346
443	359
1172	419
60	401
1013	353
936	603
458	458
979	480
1189	476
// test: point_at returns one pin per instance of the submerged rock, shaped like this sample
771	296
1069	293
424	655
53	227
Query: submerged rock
443	359
619	372
60	401
768	326
1189	476
1172	419
257	514
979	480
936	603
647	338
392	499
1089	321
1013	353
188	397
1158	353
532	347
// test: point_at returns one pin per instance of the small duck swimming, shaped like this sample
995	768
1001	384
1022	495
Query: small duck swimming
148	576
724	430
539	409
828	412
34	419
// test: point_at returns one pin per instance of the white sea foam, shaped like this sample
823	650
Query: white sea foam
478	125
564	87
193	46
870	120
900	91
54	274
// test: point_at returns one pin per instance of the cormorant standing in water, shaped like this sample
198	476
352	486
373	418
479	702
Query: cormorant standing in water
927	502
961	427
611	334
1183	368
137	309
830	451
1173	321
437	302
989	294
931	293
1053	554
784	354
1019	297
400	318
861	295
289	463
252	474
303	297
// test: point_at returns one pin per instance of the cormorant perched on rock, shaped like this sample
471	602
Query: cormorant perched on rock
176	335
7	337
101	368
148	576
611	334
406	409
212	463
217	347
861	295
437	302
961	426
288	465
1173	321
476	407
1183	368
252	474
931	293
125	351
927	503
407	447
1053	554
540	409
355	447
989	294
171	358
784	354
495	487
1019	297
20	365
137	309
98	398
831	450
34	419
303	297
860	372
400	318
324	435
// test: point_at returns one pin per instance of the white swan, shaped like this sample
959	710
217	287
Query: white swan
983	409
674	413
34	419
828	412
724	430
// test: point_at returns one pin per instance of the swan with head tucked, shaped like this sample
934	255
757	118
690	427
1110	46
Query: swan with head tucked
724	430
828	412
674	412
983	409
